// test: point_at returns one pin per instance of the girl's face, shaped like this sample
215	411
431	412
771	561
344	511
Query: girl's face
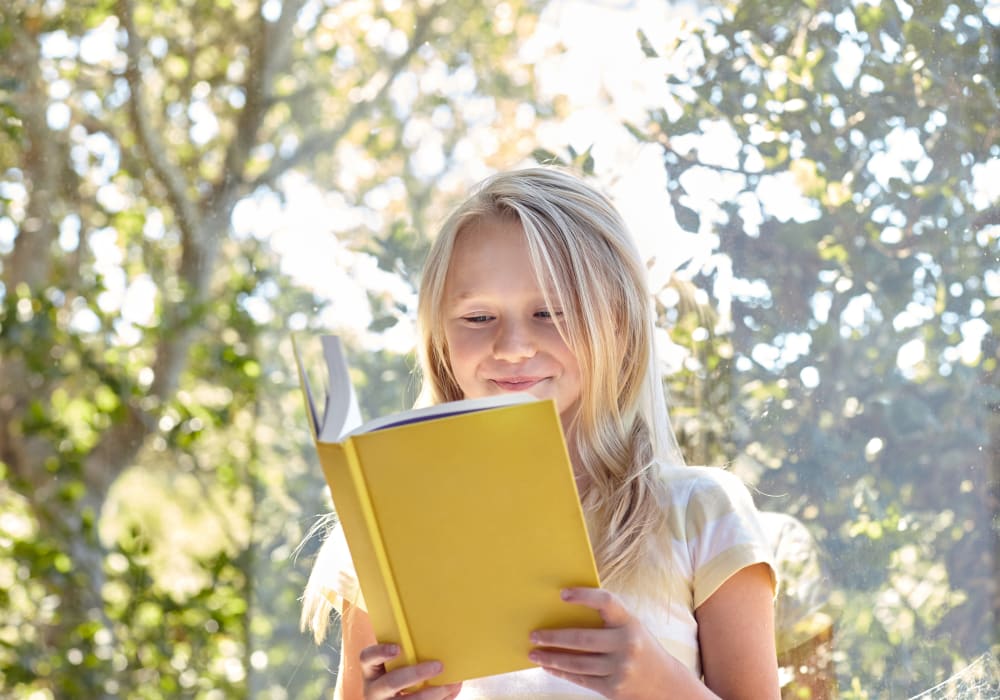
501	335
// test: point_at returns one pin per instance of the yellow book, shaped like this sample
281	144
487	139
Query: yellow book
463	522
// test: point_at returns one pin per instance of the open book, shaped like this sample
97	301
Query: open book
463	522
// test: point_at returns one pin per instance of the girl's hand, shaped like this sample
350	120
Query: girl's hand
380	684
621	660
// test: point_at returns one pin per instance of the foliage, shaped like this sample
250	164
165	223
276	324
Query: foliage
147	524
841	345
847	362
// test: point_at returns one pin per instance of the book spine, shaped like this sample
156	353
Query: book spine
408	655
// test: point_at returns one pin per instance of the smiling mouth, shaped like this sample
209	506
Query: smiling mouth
518	383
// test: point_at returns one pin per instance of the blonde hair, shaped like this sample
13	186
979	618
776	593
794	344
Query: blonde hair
579	245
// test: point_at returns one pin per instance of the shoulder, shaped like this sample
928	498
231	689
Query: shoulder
713	518
706	492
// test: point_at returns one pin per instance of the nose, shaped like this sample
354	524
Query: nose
513	341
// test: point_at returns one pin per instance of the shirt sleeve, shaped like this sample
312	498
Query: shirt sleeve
339	582
723	532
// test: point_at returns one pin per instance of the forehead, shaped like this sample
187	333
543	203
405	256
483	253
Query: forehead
490	230
490	254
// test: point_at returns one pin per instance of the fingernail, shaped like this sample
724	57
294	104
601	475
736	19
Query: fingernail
566	594
437	667
534	657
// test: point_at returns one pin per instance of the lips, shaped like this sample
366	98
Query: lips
517	383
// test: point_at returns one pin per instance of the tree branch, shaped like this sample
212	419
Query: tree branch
322	141
30	261
268	57
149	141
120	443
661	139
989	217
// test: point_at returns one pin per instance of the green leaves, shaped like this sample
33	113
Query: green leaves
869	18
152	348
645	45
687	218
581	162
847	389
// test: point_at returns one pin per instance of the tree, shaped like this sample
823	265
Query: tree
843	155
140	329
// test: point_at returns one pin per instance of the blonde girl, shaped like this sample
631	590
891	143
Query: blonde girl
534	284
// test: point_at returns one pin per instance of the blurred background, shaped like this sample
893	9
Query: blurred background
183	183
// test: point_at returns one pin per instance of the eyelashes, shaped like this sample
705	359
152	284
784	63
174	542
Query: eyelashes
543	314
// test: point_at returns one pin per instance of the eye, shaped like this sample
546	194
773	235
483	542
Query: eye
477	318
549	314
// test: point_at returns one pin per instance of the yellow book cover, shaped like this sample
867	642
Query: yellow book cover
463	522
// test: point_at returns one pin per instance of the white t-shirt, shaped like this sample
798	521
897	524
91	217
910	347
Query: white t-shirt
711	530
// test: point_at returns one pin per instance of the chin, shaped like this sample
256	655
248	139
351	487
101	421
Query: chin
543	395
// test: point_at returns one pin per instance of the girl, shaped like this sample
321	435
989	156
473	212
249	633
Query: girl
535	285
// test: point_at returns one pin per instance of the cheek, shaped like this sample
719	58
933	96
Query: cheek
572	369
565	355
462	351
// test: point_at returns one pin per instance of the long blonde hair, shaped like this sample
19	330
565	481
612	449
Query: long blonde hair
580	246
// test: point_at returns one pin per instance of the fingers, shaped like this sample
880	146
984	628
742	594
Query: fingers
599	665
605	602
400	679
381	685
591	658
605	640
436	692
373	659
600	641
405	677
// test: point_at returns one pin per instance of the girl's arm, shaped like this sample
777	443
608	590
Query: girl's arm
624	661
356	634
736	636
362	673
